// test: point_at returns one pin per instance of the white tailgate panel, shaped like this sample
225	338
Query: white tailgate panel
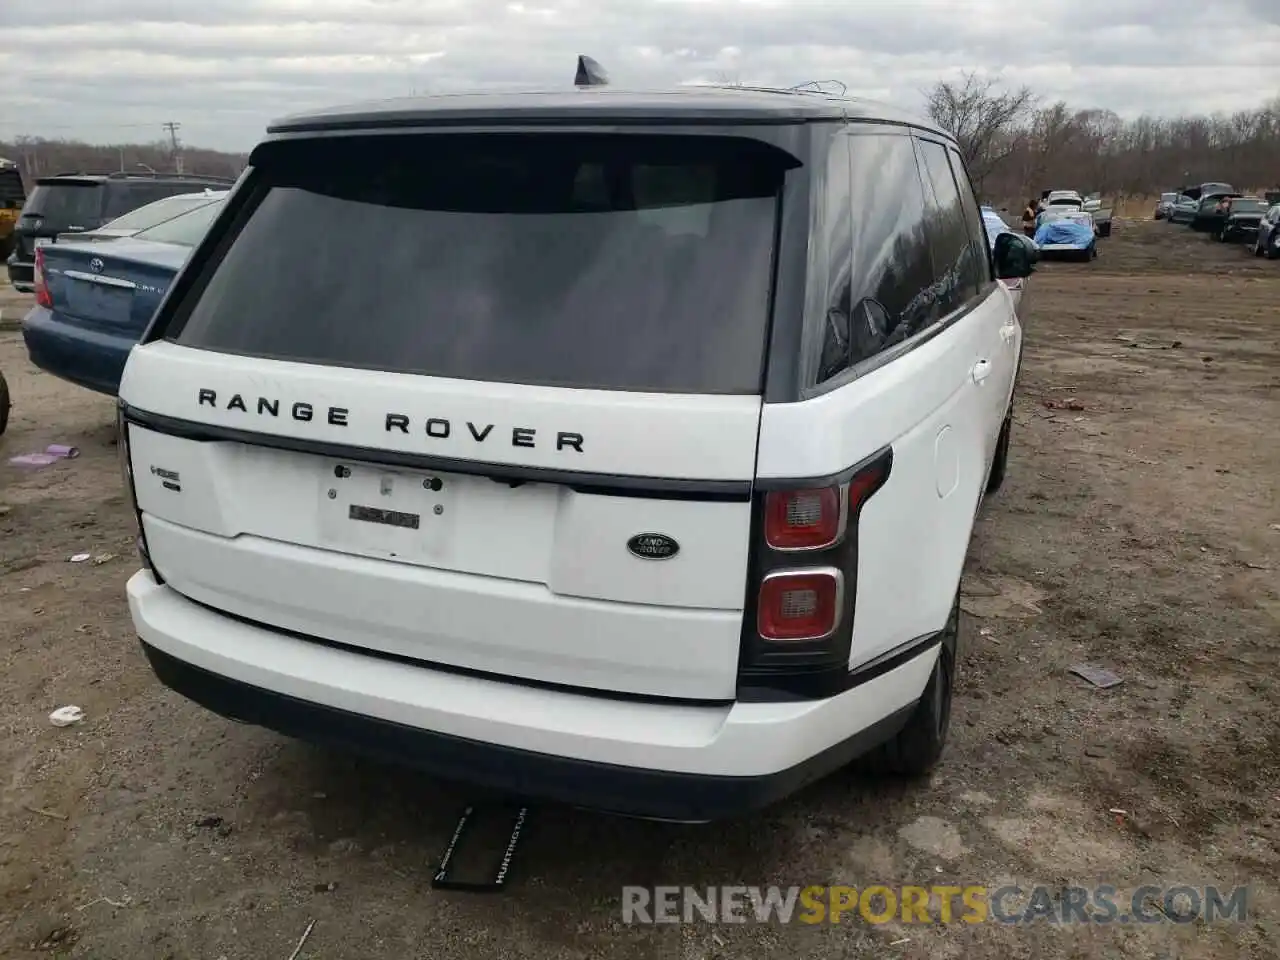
532	579
497	626
914	533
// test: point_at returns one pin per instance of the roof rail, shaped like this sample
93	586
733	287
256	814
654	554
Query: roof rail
160	174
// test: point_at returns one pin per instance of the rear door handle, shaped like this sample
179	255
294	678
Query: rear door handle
981	370
1008	332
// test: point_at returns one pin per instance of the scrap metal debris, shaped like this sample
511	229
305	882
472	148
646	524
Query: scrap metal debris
1099	677
52	454
66	716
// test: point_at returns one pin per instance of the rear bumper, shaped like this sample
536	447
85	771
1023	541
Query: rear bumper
21	275
88	358
672	761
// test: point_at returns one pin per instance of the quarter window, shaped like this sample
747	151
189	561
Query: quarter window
949	236
892	277
979	249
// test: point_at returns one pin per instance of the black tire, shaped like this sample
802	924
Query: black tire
1000	462
4	404
1273	249
919	745
1104	230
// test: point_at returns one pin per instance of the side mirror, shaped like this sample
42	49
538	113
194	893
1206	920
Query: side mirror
1014	257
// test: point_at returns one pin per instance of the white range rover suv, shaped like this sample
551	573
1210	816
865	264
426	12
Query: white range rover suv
609	448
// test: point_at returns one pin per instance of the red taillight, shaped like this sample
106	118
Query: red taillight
38	281
799	605
804	519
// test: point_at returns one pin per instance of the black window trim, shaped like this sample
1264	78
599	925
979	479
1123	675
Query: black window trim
882	359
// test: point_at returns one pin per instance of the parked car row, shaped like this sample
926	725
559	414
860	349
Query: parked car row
1069	225
1227	215
78	203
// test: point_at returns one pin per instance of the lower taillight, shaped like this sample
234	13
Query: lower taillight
799	605
38	281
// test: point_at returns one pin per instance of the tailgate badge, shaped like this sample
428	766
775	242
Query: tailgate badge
653	546
386	486
96	265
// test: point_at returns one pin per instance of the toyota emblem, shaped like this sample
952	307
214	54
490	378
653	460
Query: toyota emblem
96	264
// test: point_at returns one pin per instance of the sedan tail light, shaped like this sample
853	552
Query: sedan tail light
43	297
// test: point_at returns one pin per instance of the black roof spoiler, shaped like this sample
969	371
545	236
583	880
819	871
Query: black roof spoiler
590	73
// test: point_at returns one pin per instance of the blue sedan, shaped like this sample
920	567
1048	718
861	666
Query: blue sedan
94	300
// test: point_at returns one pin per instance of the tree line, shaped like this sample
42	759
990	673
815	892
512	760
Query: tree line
43	157
1016	146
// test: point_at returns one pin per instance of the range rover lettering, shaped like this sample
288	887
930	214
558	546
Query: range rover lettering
756	335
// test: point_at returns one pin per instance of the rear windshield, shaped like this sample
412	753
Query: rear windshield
157	212
186	229
620	262
1247	206
64	205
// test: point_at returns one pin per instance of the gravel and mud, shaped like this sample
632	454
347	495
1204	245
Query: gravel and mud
1139	530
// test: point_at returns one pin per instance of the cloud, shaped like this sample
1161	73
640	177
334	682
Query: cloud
224	68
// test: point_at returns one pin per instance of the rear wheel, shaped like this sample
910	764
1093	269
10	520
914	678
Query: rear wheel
4	404
1000	462
919	745
1273	246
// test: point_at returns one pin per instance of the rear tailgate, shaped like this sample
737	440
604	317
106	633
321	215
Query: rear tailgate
453	447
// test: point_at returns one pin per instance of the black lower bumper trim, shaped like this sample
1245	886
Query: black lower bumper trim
631	791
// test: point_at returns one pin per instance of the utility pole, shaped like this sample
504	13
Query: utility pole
172	128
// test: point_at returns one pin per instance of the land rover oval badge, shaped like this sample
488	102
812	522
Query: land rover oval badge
653	546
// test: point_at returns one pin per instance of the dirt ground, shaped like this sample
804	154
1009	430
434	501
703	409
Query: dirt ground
1139	530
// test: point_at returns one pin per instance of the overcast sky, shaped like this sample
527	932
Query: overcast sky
114	70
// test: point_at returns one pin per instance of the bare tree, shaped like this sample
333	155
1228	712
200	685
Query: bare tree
985	119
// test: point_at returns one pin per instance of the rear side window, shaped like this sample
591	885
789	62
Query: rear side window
953	256
186	229
127	196
620	262
63	205
156	212
892	274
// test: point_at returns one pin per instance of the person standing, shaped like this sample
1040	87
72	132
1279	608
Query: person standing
1029	218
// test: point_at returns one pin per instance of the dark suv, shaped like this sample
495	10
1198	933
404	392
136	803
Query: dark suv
76	202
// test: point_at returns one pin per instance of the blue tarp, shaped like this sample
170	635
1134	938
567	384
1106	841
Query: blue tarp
1065	232
995	225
